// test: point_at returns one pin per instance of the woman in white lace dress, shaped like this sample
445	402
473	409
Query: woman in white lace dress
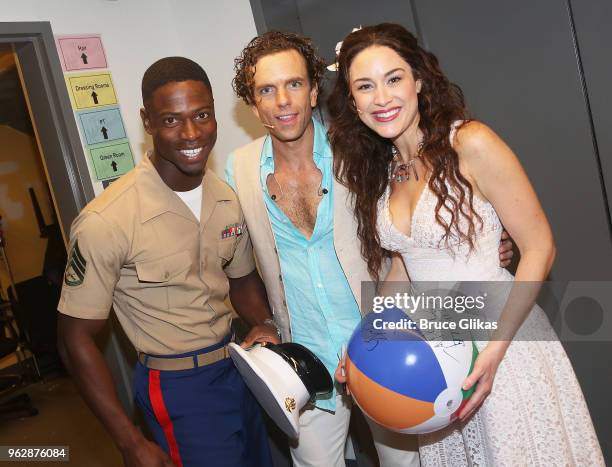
432	189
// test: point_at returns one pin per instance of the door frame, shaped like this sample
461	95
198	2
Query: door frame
52	117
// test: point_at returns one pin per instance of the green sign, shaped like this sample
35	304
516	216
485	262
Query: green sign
111	161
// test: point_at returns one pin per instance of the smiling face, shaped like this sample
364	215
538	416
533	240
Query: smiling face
385	91
180	117
283	95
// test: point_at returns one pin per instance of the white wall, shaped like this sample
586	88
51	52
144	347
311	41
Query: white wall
135	33
213	33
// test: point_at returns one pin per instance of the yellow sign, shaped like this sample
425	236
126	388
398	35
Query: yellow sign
91	90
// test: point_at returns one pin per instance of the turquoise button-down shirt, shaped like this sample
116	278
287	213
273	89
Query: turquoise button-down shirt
321	305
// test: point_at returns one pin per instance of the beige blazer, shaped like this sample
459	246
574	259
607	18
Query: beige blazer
251	197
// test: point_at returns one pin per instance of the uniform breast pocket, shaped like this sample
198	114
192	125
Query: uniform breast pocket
225	250
164	278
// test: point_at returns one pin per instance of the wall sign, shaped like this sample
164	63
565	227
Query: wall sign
111	161
82	52
91	90
102	125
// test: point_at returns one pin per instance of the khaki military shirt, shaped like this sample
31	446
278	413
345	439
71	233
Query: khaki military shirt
139	248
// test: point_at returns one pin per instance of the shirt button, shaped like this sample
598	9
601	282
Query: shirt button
319	285
285	302
280	277
166	275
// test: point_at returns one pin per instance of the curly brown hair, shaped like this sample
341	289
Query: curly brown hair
362	158
269	43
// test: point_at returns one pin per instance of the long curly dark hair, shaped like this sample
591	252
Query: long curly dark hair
269	43
362	158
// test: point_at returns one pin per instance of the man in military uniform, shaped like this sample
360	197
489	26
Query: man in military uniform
165	245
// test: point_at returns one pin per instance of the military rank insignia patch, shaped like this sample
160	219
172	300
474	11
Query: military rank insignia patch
76	267
231	230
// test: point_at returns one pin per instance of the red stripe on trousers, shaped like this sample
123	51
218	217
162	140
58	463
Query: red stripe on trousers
161	413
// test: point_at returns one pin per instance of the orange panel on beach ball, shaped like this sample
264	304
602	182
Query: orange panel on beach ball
389	408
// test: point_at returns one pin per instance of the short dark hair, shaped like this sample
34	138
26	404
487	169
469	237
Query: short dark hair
269	43
171	69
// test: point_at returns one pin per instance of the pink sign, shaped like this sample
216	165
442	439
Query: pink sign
81	52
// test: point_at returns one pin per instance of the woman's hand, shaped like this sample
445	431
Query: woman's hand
340	373
483	375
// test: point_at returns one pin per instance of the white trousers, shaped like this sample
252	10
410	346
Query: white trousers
323	439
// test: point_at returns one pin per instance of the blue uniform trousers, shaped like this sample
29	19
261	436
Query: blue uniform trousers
203	417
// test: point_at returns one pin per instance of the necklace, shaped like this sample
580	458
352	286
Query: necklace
320	191
400	171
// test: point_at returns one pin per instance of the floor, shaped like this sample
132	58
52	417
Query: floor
63	420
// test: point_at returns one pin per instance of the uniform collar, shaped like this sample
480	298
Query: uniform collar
320	147
155	197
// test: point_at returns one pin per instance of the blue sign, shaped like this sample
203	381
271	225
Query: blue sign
100	126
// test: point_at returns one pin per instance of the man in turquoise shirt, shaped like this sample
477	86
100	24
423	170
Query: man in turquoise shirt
324	311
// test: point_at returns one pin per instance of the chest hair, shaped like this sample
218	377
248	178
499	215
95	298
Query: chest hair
298	196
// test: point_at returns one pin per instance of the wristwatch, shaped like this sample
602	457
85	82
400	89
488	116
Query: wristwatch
271	322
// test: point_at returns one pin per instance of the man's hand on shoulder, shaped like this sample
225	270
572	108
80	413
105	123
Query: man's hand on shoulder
505	250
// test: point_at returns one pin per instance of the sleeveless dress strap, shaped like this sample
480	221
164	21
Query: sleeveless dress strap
453	130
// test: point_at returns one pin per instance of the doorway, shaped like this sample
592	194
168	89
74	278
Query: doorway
32	250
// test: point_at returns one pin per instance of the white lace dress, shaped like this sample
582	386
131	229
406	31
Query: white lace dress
536	414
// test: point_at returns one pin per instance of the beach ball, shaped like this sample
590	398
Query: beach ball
402	380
